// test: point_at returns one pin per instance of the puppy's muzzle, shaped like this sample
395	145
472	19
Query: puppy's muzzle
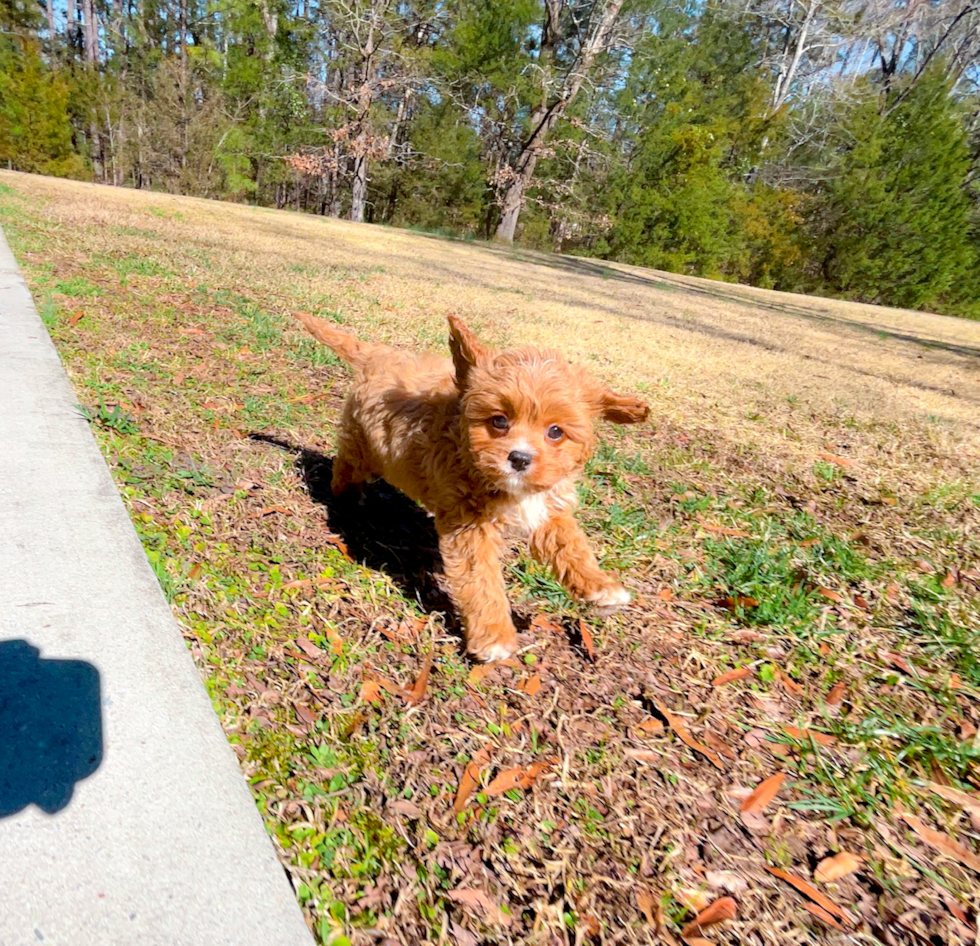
519	460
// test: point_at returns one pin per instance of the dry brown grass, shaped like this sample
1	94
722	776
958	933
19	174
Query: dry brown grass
815	456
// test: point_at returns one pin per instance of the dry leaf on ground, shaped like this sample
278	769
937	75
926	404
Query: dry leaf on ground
808	890
478	899
675	723
587	642
821	914
730	676
840	865
763	794
943	843
531	686
417	693
471	776
719	911
519	777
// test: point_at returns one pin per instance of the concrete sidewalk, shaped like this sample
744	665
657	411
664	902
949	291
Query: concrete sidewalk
124	817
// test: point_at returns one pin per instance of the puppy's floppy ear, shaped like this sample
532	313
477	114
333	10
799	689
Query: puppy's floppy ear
617	408
466	350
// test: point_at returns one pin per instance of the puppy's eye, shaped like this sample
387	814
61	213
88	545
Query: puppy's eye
499	422
555	433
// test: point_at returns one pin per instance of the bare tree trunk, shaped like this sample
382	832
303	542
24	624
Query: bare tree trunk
547	115
358	197
365	97
49	7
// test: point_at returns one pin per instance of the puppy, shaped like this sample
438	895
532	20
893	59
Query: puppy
490	443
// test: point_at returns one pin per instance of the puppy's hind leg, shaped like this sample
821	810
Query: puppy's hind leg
561	544
351	468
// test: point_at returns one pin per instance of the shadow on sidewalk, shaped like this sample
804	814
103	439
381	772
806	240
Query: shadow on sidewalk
50	727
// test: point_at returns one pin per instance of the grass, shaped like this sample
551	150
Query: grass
803	508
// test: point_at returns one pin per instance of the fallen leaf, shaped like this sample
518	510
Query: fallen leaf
370	691
862	602
389	686
943	843
730	676
717	912
787	682
299	583
645	901
75	319
542	622
732	603
808	890
463	936
727	880
650	725
471	776
644	755
719	745
899	663
417	693
821	914
725	530
763	794
963	799
802	735
836	694
305	714
520	777
840	865
587	640
269	510
836	460
338	543
477	898
308	647
827	593
531	686
666	594
923	565
685	737
195	571
479	673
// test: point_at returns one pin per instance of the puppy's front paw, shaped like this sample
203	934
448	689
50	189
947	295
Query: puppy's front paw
499	648
610	596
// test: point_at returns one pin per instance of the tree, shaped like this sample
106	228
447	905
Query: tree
892	222
572	39
35	133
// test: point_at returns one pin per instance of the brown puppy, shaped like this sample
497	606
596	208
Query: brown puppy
491	444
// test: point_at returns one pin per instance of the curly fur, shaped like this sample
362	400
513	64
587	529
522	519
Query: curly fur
491	443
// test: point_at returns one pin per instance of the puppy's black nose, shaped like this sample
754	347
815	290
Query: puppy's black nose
520	460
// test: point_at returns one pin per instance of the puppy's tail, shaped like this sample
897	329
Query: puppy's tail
354	351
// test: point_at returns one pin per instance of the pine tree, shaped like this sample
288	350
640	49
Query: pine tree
892	224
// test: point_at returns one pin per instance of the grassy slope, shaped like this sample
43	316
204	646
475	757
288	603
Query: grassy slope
803	507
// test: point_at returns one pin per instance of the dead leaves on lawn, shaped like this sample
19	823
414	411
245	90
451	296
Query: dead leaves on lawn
680	729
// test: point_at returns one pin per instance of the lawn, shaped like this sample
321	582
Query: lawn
799	522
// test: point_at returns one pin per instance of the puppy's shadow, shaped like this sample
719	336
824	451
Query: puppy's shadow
384	530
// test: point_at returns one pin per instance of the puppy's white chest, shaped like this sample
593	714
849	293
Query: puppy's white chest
530	512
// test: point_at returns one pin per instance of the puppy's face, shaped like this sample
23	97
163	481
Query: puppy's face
528	415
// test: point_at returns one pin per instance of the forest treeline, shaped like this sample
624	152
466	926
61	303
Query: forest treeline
824	146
